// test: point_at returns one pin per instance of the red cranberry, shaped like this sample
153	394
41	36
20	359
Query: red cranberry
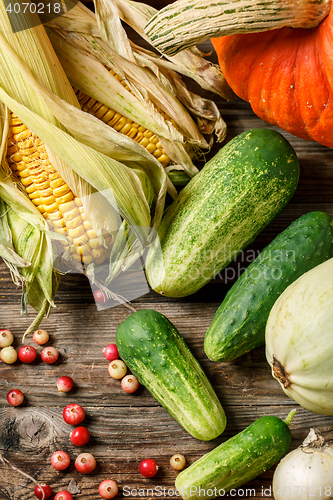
60	460
108	489
15	397
65	384
27	354
80	436
63	495
49	355
111	352
148	467
100	297
40	337
85	463
40	488
73	414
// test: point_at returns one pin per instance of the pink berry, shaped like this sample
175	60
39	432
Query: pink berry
63	495
111	352
8	355
15	397
40	337
6	338
40	488
108	489
80	436
73	414
85	463
65	384
49	355
27	354
130	384
117	369
60	460
100	297
148	467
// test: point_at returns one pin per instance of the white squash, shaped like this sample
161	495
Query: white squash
299	339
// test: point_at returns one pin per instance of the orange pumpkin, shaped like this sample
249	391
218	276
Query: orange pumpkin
286	75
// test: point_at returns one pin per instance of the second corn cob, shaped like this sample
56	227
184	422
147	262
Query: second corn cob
124	125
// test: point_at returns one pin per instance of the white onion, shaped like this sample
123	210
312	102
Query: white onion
299	339
307	472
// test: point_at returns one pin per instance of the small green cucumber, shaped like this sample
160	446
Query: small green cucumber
240	321
154	351
238	460
221	211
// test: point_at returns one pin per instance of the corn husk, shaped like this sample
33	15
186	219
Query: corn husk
94	160
7	251
152	84
190	62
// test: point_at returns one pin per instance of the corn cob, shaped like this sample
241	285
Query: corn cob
28	158
124	125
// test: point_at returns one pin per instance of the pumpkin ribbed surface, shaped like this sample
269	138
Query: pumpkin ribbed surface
286	75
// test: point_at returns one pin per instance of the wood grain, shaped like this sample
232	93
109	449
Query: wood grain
127	428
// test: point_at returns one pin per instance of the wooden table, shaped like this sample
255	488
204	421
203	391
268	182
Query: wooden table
128	428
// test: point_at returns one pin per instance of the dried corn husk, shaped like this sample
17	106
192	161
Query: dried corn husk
189	62
98	169
153	84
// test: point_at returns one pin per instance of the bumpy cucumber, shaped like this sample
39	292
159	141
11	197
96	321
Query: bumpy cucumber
236	461
221	211
239	323
152	348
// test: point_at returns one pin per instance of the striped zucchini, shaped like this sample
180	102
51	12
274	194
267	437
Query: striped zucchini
185	23
152	348
221	211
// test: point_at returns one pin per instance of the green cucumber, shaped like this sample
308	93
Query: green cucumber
154	351
238	460
222	209
240	321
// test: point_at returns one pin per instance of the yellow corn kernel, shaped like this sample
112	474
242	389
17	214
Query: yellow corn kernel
90	231
121	123
76	232
144	142
66	207
71	214
151	148
78	202
82	238
84	249
65	198
87	259
100	259
52	208
56	183
58	223
28	158
60	191
74	223
94	243
108	115
60	230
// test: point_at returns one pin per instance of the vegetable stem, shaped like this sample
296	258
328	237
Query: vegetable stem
289	417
